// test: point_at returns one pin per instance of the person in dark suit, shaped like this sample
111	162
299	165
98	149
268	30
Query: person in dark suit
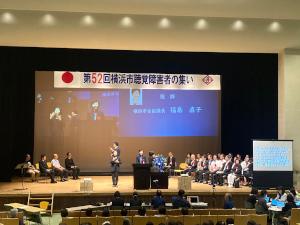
71	167
171	163
223	173
158	200
45	170
116	148
117	200
135	201
179	201
115	168
140	158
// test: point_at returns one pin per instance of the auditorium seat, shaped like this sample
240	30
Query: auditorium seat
224	211
151	212
174	212
191	220
91	220
241	219
175	218
259	219
295	216
206	218
9	221
247	211
201	211
156	220
113	213
70	220
132	212
101	220
224	217
118	220
76	214
6	214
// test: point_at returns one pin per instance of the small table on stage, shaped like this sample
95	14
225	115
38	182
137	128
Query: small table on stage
159	180
141	176
185	182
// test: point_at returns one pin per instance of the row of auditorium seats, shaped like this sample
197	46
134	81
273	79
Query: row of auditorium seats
6	214
156	220
173	212
9	221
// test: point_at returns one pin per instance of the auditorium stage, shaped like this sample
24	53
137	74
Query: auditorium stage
68	193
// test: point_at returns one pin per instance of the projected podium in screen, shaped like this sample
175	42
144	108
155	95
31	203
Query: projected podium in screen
272	163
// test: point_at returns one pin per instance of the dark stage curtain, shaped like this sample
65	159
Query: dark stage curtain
248	104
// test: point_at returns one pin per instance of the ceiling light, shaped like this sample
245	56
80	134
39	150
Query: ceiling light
238	25
48	19
274	27
8	18
164	23
87	20
201	24
126	22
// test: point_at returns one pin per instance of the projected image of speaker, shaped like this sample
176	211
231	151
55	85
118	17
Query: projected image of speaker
159	180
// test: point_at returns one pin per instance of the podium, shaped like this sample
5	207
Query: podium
141	176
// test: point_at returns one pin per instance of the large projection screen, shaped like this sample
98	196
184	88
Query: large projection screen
180	121
273	163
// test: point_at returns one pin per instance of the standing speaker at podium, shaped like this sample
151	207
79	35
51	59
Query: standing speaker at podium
140	158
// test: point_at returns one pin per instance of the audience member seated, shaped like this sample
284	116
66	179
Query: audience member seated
149	223
261	204
251	222
58	169
45	170
142	211
14	214
105	213
158	200
281	195
135	201
117	201
229	221
235	173
71	167
180	201
89	212
228	202
31	170
104	223
287	209
251	200
184	211
126	221
161	211
64	213
124	212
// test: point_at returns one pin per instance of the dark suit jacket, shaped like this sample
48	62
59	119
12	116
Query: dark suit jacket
227	167
179	202
135	201
43	166
117	202
138	159
69	163
157	201
237	170
173	162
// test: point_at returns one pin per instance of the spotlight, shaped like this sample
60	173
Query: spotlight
201	24
48	19
238	25
8	18
126	22
87	20
164	23
274	27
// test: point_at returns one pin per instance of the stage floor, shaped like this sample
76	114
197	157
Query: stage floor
103	185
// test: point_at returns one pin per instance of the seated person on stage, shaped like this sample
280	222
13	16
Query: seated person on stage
179	201
34	173
45	170
251	200
245	168
171	163
140	158
135	201
281	195
158	200
117	200
226	169
213	168
261	204
236	172
71	167
192	166
188	158
202	168
58	169
228	202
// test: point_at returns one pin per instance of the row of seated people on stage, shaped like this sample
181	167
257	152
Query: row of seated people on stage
215	168
56	169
